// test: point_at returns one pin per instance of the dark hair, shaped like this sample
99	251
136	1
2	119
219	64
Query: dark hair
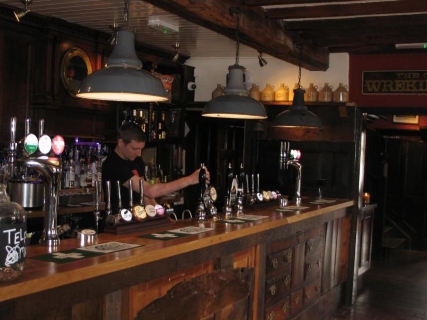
130	131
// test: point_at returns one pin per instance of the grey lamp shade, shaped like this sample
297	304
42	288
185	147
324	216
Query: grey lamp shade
235	103
123	78
234	107
297	115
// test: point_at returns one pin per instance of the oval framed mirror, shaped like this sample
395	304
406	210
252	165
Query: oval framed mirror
75	67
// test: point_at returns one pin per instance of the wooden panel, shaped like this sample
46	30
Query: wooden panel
143	294
221	294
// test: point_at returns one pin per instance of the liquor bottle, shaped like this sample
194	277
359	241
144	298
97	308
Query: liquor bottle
133	118
142	123
153	131
89	174
70	175
161	128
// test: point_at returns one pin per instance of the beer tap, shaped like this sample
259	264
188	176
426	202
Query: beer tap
250	197
200	213
97	212
108	198
122	214
50	169
138	211
291	158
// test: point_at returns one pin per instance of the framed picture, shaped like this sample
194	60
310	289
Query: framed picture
408	119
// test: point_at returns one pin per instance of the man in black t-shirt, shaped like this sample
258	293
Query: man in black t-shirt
125	163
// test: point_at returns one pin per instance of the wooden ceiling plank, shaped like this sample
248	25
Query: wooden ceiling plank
349	9
256	31
256	3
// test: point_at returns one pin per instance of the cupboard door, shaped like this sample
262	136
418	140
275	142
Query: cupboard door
142	294
279	311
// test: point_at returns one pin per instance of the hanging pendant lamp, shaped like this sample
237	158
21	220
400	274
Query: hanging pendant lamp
123	78
236	102
298	115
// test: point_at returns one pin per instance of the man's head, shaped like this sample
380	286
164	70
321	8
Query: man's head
130	141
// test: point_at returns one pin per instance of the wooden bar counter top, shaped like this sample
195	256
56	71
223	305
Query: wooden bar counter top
51	289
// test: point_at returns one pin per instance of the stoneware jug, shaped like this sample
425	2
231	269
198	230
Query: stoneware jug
341	93
267	94
325	94
219	91
254	92
282	94
311	94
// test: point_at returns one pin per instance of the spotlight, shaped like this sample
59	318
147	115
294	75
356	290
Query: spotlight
176	56
262	61
19	15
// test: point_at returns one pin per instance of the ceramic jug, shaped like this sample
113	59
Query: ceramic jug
282	94
311	94
267	94
219	91
254	92
325	94
341	93
291	92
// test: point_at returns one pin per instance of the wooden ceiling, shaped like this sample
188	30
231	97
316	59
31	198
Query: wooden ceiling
290	30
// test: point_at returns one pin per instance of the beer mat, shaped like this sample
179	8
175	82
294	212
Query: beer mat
291	208
234	221
191	230
251	217
323	201
85	252
109	247
67	256
165	235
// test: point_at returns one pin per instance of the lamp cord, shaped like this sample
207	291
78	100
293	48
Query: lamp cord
299	65
237	35
126	13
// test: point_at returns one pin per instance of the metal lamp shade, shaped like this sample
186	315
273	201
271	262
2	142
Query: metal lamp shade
298	114
123	78
235	103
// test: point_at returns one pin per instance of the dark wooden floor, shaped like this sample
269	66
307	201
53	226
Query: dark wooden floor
393	289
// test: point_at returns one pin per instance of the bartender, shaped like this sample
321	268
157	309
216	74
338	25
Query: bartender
125	163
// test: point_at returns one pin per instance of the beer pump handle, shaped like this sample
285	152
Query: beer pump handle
119	196
141	191
130	194
108	197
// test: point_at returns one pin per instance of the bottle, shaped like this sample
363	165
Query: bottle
282	94
89	174
311	94
142	121
133	118
219	91
254	92
70	175
267	94
77	169
153	131
161	127
341	93
13	233
325	94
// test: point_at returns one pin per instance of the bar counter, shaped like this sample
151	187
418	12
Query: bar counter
48	288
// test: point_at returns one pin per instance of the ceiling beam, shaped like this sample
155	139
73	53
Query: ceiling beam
348	9
256	31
